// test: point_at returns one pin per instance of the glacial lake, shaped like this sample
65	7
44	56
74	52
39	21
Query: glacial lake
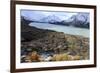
60	28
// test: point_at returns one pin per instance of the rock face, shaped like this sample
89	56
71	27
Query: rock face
50	42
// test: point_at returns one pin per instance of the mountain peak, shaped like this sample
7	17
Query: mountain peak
51	19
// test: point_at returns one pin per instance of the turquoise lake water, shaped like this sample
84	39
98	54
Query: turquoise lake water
60	28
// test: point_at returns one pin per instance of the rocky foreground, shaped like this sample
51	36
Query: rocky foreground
39	45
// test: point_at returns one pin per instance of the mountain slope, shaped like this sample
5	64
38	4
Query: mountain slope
79	20
29	33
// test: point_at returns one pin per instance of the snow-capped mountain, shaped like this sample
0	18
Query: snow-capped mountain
84	17
51	19
78	20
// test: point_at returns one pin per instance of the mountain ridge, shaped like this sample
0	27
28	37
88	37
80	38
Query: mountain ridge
80	20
